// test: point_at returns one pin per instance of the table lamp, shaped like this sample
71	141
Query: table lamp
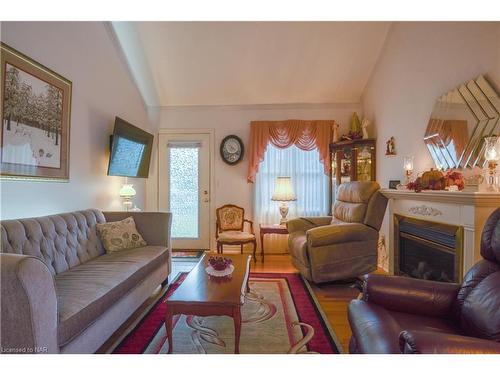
408	166
492	155
283	192
127	192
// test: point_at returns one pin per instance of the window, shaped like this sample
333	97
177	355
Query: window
309	182
184	191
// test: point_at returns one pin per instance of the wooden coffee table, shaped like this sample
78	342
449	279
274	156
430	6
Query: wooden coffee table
203	295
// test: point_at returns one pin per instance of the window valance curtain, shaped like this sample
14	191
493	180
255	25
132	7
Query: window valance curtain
305	134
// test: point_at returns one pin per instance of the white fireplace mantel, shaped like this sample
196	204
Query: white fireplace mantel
462	208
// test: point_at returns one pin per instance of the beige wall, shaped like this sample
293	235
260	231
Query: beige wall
230	181
419	62
84	53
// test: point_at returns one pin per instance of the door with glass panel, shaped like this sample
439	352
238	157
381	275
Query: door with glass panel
184	183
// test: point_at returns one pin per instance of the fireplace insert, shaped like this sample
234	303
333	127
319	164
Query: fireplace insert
427	250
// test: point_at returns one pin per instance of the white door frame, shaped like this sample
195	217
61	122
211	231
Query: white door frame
211	203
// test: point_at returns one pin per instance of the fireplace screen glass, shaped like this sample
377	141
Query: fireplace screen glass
421	261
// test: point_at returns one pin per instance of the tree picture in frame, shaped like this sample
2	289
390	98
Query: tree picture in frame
35	112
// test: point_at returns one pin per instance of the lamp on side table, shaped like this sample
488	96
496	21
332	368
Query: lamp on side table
127	192
283	192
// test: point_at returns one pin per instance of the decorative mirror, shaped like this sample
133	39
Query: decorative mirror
460	121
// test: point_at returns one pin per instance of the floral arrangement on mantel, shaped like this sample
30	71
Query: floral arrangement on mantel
434	179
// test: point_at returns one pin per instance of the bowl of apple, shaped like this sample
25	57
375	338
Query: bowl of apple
219	266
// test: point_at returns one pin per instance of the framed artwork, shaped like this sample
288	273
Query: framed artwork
393	184
35	108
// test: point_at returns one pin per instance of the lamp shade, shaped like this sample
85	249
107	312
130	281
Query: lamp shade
127	191
408	163
283	190
491	148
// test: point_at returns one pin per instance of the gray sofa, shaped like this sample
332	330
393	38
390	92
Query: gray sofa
61	292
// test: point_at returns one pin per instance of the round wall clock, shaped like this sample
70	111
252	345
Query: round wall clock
231	149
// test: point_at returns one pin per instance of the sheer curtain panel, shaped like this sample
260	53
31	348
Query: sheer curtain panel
309	181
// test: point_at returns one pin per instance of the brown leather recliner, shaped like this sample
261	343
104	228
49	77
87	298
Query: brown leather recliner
405	315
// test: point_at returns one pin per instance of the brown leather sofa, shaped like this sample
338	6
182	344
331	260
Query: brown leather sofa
343	246
405	315
61	292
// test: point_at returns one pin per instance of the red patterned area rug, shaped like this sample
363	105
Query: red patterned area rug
280	315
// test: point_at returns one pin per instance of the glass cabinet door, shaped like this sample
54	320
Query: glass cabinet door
352	161
364	163
345	165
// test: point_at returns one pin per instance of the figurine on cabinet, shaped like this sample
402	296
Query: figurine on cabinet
364	127
335	132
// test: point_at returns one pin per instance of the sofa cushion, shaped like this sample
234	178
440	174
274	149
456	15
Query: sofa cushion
413	322
352	199
373	328
234	236
120	235
376	330
340	233
357	191
481	309
349	212
298	247
375	210
480	271
87	291
490	238
342	261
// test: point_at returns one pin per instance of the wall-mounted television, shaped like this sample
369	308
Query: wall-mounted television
130	150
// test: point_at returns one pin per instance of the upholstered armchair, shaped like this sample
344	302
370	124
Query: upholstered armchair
230	228
404	315
344	245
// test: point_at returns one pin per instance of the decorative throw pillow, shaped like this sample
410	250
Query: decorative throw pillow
120	235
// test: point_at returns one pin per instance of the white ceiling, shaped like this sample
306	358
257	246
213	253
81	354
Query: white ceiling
239	63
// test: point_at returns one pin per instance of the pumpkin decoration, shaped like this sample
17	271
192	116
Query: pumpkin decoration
433	180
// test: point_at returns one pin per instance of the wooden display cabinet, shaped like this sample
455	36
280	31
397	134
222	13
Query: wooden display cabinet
352	161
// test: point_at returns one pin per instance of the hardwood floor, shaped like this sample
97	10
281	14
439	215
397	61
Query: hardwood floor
333	298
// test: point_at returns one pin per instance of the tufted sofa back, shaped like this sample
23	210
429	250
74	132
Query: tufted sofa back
61	241
477	307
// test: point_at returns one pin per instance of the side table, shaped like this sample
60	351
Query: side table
270	229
